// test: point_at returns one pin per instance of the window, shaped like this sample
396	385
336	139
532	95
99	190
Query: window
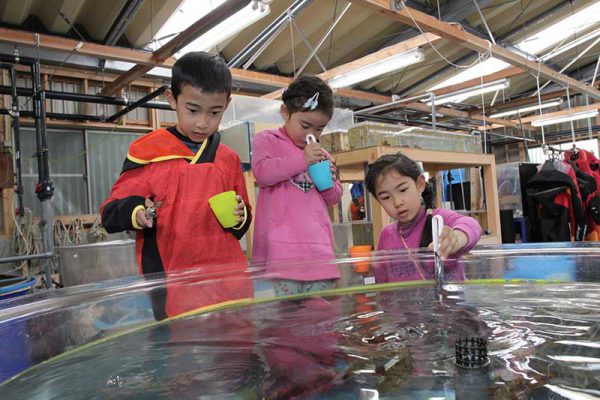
138	115
71	154
66	106
106	152
105	110
67	171
165	117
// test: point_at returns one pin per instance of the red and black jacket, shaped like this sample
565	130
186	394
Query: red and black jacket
185	235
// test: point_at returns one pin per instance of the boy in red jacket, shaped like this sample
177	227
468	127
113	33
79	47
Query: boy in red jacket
167	179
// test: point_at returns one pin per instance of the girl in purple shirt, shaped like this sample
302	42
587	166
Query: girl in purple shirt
398	184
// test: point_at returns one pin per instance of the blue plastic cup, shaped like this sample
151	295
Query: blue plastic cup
320	173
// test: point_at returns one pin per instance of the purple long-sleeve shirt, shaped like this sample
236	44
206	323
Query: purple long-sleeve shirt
412	269
392	234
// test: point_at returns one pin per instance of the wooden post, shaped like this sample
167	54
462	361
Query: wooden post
87	107
124	117
522	155
153	115
491	198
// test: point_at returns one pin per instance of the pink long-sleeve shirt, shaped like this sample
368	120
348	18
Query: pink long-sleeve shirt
290	224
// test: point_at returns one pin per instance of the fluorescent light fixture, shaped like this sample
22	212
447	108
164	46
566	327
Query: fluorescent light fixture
570	45
533	44
192	10
226	29
527	109
461	95
377	68
565	118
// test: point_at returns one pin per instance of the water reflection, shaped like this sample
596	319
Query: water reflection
391	340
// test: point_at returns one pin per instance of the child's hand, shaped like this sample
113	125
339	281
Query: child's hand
313	153
143	218
239	209
333	171
451	241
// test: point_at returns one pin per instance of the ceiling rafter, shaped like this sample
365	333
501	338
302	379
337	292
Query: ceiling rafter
453	33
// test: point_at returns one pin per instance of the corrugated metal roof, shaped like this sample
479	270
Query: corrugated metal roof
359	33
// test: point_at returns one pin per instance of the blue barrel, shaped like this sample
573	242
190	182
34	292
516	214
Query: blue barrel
14	345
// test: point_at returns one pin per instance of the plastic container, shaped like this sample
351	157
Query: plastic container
360	252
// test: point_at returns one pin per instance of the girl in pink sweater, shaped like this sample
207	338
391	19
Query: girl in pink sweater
292	222
398	184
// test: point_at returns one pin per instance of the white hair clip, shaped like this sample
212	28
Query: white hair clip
312	103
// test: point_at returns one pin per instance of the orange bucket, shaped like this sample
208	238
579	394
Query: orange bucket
360	251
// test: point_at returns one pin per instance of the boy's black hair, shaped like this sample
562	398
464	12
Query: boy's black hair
303	89
201	70
404	166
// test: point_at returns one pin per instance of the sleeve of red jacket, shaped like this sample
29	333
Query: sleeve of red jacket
128	193
240	188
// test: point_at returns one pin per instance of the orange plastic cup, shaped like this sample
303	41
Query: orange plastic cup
360	251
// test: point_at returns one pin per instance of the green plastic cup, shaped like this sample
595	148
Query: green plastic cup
223	205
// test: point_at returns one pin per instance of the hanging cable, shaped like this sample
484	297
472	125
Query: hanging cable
488	53
587	98
331	37
570	113
484	22
537	81
483	113
293	53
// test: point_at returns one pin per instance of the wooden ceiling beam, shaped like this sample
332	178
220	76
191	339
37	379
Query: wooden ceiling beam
454	33
58	43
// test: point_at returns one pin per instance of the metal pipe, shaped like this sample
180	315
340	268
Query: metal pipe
273	27
17	139
323	39
391	105
35	106
16	59
393	120
5	260
264	46
433	118
139	102
70	117
84	98
563	69
14	113
44	187
307	43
